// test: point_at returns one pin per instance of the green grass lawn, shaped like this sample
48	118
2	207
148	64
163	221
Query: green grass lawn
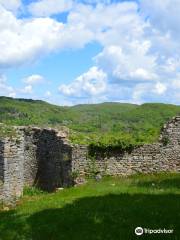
105	210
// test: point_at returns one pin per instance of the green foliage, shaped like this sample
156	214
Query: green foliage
75	174
165	141
117	125
32	191
7	131
92	167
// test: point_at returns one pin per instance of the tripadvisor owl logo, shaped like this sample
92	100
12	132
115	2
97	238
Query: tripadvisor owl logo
139	231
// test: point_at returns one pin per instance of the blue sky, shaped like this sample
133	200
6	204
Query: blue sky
70	51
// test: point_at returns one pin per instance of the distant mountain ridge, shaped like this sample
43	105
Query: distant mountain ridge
91	121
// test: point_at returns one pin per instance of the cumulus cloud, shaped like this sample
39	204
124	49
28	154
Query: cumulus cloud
95	1
160	88
139	60
44	8
5	88
135	64
24	41
139	56
12	5
27	89
34	79
163	14
89	84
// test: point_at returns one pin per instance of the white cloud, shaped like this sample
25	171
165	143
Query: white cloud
3	79
12	5
27	89
163	14
5	89
160	88
176	82
48	94
12	94
95	1
44	8
140	49
34	79
24	41
89	84
135	64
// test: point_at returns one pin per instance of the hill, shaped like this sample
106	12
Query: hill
103	124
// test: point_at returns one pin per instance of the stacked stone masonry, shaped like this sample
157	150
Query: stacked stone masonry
35	156
45	158
163	156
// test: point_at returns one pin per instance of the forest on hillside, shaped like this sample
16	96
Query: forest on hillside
104	125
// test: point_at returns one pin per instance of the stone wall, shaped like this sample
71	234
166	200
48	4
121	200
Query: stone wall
11	169
144	159
45	158
53	156
163	156
170	133
35	156
1	169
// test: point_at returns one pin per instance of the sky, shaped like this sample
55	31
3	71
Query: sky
69	52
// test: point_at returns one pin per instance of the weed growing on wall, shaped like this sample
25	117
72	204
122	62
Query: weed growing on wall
93	169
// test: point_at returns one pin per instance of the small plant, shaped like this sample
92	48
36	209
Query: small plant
32	191
66	157
75	174
165	141
92	167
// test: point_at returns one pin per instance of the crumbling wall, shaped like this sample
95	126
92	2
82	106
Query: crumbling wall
1	169
30	154
35	156
12	169
163	156
44	157
54	161
170	134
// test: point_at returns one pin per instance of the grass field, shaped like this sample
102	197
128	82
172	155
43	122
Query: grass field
105	210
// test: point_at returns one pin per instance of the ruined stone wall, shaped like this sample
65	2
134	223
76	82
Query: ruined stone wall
12	169
163	156
47	159
35	156
44	157
171	132
54	160
1	169
144	159
30	155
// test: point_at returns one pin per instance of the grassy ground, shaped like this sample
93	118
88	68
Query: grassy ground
106	210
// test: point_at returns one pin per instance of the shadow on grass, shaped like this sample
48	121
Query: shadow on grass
110	217
168	183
